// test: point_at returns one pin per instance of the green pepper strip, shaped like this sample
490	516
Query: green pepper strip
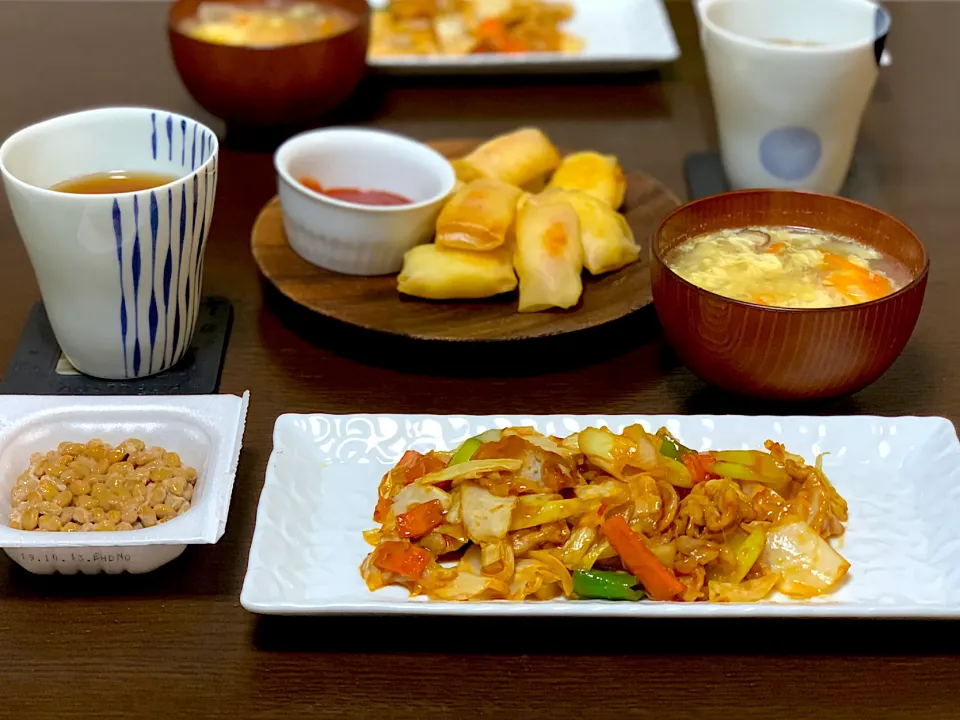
670	448
470	446
605	585
465	451
748	552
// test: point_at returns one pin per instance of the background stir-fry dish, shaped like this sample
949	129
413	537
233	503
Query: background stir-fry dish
466	27
512	514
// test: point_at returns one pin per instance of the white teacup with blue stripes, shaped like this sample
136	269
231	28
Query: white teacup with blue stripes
120	275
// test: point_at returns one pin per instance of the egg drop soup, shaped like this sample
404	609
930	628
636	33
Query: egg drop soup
787	267
271	24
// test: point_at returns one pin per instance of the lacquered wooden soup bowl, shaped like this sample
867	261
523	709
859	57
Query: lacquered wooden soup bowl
279	85
785	353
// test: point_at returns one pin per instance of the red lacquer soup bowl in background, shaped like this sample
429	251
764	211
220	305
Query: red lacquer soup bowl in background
277	85
786	353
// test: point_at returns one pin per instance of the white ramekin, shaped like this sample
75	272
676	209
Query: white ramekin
360	239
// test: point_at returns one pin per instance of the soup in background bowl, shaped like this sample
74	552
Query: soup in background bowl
794	353
270	62
790	267
270	24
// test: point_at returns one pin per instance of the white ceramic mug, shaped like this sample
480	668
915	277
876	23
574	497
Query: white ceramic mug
790	82
120	275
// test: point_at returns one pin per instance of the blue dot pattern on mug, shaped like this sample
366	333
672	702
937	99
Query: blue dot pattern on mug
790	153
166	268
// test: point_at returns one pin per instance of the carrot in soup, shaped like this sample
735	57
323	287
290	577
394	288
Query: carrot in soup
857	283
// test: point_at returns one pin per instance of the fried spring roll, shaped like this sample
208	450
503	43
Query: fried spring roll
592	173
608	242
548	256
436	273
479	217
522	158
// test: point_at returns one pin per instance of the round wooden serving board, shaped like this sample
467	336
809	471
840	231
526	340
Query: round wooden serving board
374	303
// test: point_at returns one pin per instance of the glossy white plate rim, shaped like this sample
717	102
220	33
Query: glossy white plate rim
321	484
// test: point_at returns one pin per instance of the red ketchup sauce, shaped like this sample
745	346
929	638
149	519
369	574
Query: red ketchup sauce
357	196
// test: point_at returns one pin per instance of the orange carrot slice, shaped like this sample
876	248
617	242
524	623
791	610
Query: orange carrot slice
659	581
401	558
420	519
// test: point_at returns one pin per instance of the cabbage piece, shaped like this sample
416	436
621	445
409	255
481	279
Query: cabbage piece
435	576
415	494
486	516
491	557
577	545
619	454
542	442
571	443
467	586
548	591
498	560
554	570
468	581
371	574
600	550
647	457
612	492
806	563
742	592
471	561
454	512
819	504
527	579
470	470
531	512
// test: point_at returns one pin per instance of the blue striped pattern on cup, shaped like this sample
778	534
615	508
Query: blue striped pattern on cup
160	241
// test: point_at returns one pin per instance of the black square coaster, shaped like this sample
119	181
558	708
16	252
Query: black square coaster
39	368
704	176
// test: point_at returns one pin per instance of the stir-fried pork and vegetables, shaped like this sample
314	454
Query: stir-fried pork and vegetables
512	514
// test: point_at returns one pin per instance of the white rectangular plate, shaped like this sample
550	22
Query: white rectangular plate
900	476
620	35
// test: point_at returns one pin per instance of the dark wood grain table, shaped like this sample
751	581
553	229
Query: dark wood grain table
177	644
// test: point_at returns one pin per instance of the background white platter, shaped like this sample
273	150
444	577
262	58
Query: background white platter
900	476
620	35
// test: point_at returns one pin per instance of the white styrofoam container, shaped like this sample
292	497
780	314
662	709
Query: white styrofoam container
205	430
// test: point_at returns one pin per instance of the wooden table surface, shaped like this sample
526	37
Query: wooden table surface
176	643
